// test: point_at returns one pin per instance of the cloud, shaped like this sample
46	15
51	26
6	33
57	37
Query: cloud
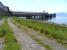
37	5
57	8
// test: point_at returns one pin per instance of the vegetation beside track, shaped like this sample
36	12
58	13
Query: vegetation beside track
50	30
10	41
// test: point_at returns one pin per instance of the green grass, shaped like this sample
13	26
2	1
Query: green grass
2	17
50	30
10	41
33	36
40	42
2	31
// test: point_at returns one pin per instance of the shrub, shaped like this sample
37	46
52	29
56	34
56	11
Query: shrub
42	31
47	32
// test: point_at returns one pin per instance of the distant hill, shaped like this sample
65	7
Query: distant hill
61	14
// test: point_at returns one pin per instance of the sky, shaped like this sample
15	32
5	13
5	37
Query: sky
51	6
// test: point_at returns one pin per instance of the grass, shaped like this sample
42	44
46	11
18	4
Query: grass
40	42
33	36
2	17
10	41
50	30
2	31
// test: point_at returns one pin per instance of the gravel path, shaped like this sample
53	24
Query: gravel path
1	22
1	43
52	43
1	39
26	41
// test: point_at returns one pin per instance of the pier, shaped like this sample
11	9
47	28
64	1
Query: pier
5	11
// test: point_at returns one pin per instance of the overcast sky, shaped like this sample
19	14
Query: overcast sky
50	6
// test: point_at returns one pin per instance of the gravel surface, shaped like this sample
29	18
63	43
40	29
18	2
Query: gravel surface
1	39
1	43
25	40
1	22
51	42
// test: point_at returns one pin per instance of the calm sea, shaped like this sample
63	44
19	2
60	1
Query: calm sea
59	20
